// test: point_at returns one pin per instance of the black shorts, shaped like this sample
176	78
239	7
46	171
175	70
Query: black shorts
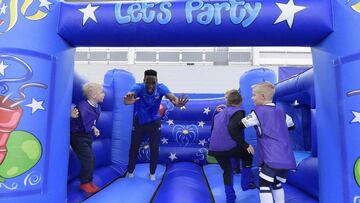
270	174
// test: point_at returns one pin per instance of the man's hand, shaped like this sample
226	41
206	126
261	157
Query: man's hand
129	98
181	101
250	149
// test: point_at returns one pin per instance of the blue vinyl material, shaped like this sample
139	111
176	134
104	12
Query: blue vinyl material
131	190
213	173
306	176
299	87
183	182
29	38
197	17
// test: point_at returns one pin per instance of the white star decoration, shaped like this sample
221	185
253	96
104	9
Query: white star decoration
201	124
288	12
3	9
356	118
35	105
182	108
164	140
45	3
202	142
172	156
2	68
89	12
206	110
170	122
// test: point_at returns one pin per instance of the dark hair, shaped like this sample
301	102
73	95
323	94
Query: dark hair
150	72
233	97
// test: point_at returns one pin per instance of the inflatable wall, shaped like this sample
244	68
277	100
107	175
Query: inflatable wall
37	41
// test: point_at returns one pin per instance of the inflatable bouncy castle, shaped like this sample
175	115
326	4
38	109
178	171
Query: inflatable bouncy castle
37	87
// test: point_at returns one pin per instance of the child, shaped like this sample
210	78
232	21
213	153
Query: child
227	141
83	126
276	157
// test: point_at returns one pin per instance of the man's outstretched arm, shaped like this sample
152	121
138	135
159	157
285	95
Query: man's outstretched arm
177	101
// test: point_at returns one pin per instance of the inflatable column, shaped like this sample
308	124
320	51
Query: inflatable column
36	75
337	90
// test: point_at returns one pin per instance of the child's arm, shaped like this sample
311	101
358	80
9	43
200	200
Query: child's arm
238	135
249	121
96	131
74	113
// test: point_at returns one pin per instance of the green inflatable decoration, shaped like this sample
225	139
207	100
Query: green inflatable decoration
23	152
357	171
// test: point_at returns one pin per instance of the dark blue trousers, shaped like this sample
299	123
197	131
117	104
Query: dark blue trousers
152	129
81	144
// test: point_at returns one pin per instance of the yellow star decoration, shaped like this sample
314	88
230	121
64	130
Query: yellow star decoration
185	132
356	7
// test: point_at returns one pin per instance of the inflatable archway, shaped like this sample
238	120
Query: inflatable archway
37	41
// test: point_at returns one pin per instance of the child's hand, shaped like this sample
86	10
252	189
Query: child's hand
250	149
74	113
96	131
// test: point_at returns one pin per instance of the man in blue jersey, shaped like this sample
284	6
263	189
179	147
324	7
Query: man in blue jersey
147	98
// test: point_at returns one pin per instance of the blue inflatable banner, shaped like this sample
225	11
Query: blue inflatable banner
238	22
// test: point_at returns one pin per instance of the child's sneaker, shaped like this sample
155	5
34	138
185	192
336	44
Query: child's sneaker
152	177
129	175
95	187
86	187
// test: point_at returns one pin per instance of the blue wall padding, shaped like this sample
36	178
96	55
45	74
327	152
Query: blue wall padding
294	195
189	153
105	124
107	104
288	72
131	190
77	94
183	182
314	142
300	88
180	141
306	177
184	136
309	28
121	81
214	173
247	80
336	63
51	60
194	110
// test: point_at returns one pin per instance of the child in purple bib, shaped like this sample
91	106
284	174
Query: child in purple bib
276	157
227	142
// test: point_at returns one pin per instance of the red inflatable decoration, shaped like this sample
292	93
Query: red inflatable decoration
161	110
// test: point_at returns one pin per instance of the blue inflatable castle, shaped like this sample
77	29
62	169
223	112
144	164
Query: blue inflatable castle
38	86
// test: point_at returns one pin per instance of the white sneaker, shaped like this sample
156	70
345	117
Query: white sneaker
129	175
152	177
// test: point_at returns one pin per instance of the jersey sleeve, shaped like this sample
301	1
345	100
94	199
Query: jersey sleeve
250	120
164	89
136	89
289	121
